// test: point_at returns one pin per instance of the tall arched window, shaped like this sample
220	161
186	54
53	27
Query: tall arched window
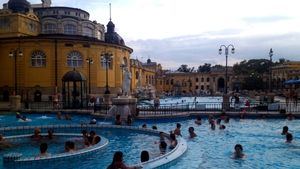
38	59
109	62
70	29
50	28
74	59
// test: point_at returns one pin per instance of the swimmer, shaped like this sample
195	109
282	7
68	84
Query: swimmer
50	134
173	141
69	146
222	127
144	126
213	126
177	131
238	151
191	132
289	138
118	120
285	130
154	127
163	147
43	150
37	134
218	121
198	121
96	140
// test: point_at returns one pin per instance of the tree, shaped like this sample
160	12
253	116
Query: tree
184	68
204	68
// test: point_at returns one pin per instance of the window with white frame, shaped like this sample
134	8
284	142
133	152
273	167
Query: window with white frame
50	28
103	62
70	29
74	59
38	59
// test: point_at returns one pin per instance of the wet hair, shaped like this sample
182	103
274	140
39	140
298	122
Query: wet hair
144	156
285	129
172	136
144	125
84	132
69	145
92	132
154	127
178	125
238	146
163	145
191	129
118	157
289	137
222	127
43	147
97	139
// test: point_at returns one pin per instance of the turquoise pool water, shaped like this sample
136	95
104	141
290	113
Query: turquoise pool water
263	144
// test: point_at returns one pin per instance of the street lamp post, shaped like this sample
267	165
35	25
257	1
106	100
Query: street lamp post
89	61
270	70
14	54
107	57
226	54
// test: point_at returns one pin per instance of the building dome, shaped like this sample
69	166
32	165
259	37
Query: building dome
111	36
19	6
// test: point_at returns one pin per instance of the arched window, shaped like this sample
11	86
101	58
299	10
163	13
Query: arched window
109	62
87	31
50	28
38	59
74	59
70	29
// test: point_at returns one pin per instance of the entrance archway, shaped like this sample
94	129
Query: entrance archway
74	90
221	84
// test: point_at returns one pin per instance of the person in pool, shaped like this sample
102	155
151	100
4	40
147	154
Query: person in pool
163	147
50	134
177	131
285	130
4	143
118	162
69	146
43	150
238	151
191	132
198	121
289	138
36	134
118	120
96	140
173	141
144	156
222	127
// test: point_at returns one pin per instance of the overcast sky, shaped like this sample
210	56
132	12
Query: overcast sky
175	32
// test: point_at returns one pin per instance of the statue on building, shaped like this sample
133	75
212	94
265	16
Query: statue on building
126	82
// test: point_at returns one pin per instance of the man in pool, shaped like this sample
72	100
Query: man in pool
285	130
163	147
37	134
43	150
289	138
238	151
177	131
198	120
69	146
192	132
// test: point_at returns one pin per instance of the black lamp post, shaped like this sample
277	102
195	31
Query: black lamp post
89	61
270	70
14	54
107	57
226	54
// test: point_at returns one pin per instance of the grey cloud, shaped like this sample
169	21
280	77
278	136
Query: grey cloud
198	50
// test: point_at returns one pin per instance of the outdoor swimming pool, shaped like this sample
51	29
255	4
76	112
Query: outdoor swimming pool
263	144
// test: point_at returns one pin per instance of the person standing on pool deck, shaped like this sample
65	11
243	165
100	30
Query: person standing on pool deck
177	131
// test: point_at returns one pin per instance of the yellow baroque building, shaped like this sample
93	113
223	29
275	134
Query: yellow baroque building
43	47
